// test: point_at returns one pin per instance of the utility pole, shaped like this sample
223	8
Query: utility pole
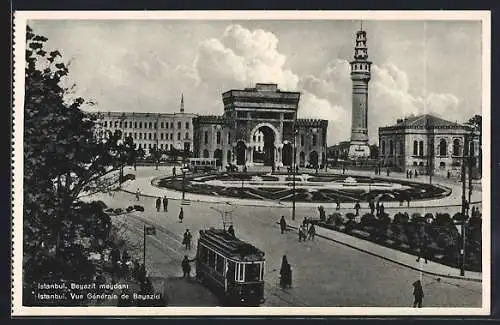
294	170
144	248
462	251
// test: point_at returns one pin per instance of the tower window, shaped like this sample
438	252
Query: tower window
442	147
178	125
218	137
187	125
415	148
206	137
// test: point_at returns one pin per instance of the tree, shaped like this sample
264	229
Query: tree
156	154
476	123
63	159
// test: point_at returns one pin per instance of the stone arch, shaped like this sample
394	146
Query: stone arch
277	133
313	158
218	156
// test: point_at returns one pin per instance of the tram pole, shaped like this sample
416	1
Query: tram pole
144	247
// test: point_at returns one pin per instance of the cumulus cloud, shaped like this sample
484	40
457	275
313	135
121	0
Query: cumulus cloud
243	57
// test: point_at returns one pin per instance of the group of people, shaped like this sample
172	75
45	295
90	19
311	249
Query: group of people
411	173
307	231
159	202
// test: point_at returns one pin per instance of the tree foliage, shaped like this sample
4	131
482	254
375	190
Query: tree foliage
63	158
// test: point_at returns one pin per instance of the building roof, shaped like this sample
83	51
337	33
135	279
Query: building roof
230	246
311	123
424	121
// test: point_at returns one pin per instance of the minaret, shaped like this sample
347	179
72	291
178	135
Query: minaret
360	76
182	103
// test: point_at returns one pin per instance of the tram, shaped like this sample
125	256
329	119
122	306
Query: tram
232	268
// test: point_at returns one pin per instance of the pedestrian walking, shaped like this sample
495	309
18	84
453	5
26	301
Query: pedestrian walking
158	204
387	171
377	207
371	205
407	173
311	232
418	293
165	204
411	173
174	171
382	209
416	173
283	224
357	207
302	233
338	204
448	174
187	239
138	194
181	215
285	273
186	266
230	231
304	222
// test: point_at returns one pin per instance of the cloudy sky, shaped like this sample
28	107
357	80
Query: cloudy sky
432	67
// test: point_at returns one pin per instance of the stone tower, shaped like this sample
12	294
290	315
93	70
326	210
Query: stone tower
360	76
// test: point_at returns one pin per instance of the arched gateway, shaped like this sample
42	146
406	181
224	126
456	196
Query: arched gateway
257	127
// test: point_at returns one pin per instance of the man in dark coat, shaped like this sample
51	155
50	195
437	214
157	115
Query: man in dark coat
186	267
338	204
357	207
372	206
230	231
158	204
283	224
285	273
382	209
165	204
187	239
418	293
181	215
377	207
312	232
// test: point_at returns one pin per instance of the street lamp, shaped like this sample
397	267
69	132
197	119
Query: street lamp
295	131
184	171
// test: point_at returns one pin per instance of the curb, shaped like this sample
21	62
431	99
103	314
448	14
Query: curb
394	261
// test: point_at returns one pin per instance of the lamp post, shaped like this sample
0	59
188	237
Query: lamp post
294	170
184	170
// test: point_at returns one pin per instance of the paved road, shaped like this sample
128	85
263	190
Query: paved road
325	273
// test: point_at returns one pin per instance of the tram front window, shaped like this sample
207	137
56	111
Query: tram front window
252	272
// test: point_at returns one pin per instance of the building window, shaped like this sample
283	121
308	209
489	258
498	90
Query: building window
166	125
116	124
155	125
229	138
415	148
218	137
187	125
471	149
161	125
149	146
442	164
178	125
161	146
254	138
171	136
154	136
140	136
140	125
421	148
135	135
171	125
315	140
149	136
126	124
205	153
301	139
206	137
401	148
456	147
187	136
171	147
161	136
178	135
383	147
391	148
135	125
442	148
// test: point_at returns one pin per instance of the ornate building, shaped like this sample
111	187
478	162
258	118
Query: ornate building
426	142
162	130
261	111
360	76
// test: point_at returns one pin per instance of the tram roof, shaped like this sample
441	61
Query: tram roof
231	246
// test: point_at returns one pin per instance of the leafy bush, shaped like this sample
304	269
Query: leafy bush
118	211
130	209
